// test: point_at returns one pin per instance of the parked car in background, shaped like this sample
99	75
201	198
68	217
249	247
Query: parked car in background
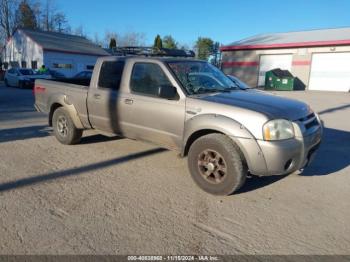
52	74
82	78
84	75
22	77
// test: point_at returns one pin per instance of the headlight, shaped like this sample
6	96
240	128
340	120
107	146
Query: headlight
278	129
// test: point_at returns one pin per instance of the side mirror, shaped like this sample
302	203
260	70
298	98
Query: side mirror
167	92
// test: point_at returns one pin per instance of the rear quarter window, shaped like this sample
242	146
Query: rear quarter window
111	74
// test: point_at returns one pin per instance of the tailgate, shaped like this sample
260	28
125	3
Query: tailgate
47	92
40	92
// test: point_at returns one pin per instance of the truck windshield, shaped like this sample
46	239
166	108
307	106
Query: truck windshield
201	77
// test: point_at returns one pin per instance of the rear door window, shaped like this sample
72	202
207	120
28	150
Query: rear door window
111	74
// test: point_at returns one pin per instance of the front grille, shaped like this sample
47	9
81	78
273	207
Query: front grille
309	121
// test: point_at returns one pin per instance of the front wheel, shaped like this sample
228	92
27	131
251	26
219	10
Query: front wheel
64	128
216	164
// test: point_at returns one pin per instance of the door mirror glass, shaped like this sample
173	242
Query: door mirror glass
167	92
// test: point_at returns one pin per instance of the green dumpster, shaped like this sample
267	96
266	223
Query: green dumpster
277	79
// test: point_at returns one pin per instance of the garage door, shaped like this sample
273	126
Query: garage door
268	62
330	72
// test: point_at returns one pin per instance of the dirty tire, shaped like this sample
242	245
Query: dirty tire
214	147
64	128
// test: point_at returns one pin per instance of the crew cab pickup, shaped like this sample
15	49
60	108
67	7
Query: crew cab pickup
227	131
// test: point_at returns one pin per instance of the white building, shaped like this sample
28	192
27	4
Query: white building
67	54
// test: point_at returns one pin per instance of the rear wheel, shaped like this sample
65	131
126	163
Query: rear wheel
64	128
216	164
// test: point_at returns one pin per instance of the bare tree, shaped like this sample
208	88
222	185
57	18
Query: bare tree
53	19
60	23
79	31
97	40
132	39
7	17
47	11
36	7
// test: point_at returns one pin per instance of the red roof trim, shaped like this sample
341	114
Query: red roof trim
286	45
239	63
301	63
73	52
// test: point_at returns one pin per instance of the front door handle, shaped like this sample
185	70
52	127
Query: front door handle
97	96
128	101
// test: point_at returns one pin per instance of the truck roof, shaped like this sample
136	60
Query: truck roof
154	58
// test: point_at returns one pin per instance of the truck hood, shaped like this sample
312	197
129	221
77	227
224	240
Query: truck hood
272	106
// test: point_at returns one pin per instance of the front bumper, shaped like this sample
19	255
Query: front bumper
284	157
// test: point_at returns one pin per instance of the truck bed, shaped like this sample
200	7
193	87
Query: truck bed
46	91
74	81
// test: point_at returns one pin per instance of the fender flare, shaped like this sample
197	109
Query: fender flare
62	101
240	135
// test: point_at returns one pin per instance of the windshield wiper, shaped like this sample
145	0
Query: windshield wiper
234	88
208	90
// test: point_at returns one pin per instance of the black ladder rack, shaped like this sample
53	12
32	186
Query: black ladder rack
151	51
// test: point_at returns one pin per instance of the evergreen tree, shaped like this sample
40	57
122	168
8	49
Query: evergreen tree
169	42
158	44
112	43
204	46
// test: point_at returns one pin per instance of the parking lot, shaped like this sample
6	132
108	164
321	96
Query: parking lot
110	195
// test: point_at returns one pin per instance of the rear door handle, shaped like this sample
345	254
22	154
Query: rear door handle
97	96
128	101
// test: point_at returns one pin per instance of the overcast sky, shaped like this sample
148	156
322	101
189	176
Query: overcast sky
224	21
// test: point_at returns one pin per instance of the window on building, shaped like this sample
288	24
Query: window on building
14	64
146	79
62	66
34	64
89	67
24	64
111	74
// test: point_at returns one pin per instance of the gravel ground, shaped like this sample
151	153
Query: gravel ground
117	196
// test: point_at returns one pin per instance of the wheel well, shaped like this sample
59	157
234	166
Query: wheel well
197	135
52	110
204	132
